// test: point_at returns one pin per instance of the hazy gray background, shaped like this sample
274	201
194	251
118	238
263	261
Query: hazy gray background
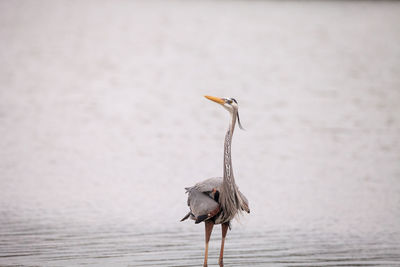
103	123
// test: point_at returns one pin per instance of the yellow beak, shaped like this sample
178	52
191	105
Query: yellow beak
215	99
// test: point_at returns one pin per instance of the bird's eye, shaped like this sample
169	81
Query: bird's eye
229	101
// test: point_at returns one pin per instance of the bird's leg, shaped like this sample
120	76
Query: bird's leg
224	227
209	226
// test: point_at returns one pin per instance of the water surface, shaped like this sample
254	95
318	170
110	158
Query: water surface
103	124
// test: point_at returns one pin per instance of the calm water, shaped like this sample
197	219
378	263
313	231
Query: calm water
103	123
120	245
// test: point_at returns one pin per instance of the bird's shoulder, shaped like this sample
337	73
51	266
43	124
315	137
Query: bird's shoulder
208	185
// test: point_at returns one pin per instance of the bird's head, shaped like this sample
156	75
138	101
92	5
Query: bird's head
229	104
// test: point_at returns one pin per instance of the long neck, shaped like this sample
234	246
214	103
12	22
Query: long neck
229	198
228	172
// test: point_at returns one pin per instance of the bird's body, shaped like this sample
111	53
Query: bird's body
210	188
218	200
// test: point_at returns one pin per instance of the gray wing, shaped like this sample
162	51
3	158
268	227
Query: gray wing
208	185
202	207
201	199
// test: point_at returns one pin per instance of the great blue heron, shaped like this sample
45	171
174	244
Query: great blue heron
218	200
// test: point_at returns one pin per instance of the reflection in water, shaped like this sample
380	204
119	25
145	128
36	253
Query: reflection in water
66	245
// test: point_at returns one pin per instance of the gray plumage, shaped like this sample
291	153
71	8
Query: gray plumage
208	184
202	196
201	205
218	200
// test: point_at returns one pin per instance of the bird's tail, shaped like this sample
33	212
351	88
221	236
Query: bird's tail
186	216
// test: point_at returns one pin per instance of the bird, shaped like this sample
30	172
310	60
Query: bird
218	200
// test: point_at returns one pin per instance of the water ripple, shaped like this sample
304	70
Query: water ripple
113	246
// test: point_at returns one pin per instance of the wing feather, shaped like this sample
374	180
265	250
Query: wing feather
201	204
209	184
201	199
